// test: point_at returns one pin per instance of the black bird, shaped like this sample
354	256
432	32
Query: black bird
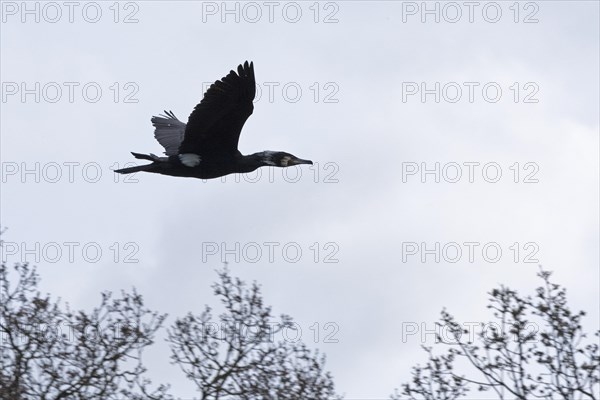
206	147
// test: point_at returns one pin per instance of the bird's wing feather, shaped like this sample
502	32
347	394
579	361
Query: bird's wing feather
214	126
169	131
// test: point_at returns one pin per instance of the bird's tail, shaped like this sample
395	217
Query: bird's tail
138	168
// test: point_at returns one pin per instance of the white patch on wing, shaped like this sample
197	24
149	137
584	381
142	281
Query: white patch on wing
190	159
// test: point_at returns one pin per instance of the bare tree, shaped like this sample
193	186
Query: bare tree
49	352
534	349
240	355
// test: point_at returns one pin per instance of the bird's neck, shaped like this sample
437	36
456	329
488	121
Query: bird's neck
266	158
253	161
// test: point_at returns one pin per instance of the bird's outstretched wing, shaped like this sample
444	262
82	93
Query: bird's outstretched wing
214	127
169	132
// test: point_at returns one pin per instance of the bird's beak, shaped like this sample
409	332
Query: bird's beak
300	161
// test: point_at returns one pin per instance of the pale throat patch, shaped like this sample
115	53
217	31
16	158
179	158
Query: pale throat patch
190	159
285	160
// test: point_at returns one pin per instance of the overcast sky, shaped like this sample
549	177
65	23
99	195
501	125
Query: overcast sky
451	156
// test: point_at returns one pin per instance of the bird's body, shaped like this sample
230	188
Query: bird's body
206	147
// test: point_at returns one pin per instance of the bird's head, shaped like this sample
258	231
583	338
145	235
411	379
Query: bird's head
281	159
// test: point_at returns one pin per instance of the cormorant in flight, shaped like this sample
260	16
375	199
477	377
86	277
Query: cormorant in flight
206	147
